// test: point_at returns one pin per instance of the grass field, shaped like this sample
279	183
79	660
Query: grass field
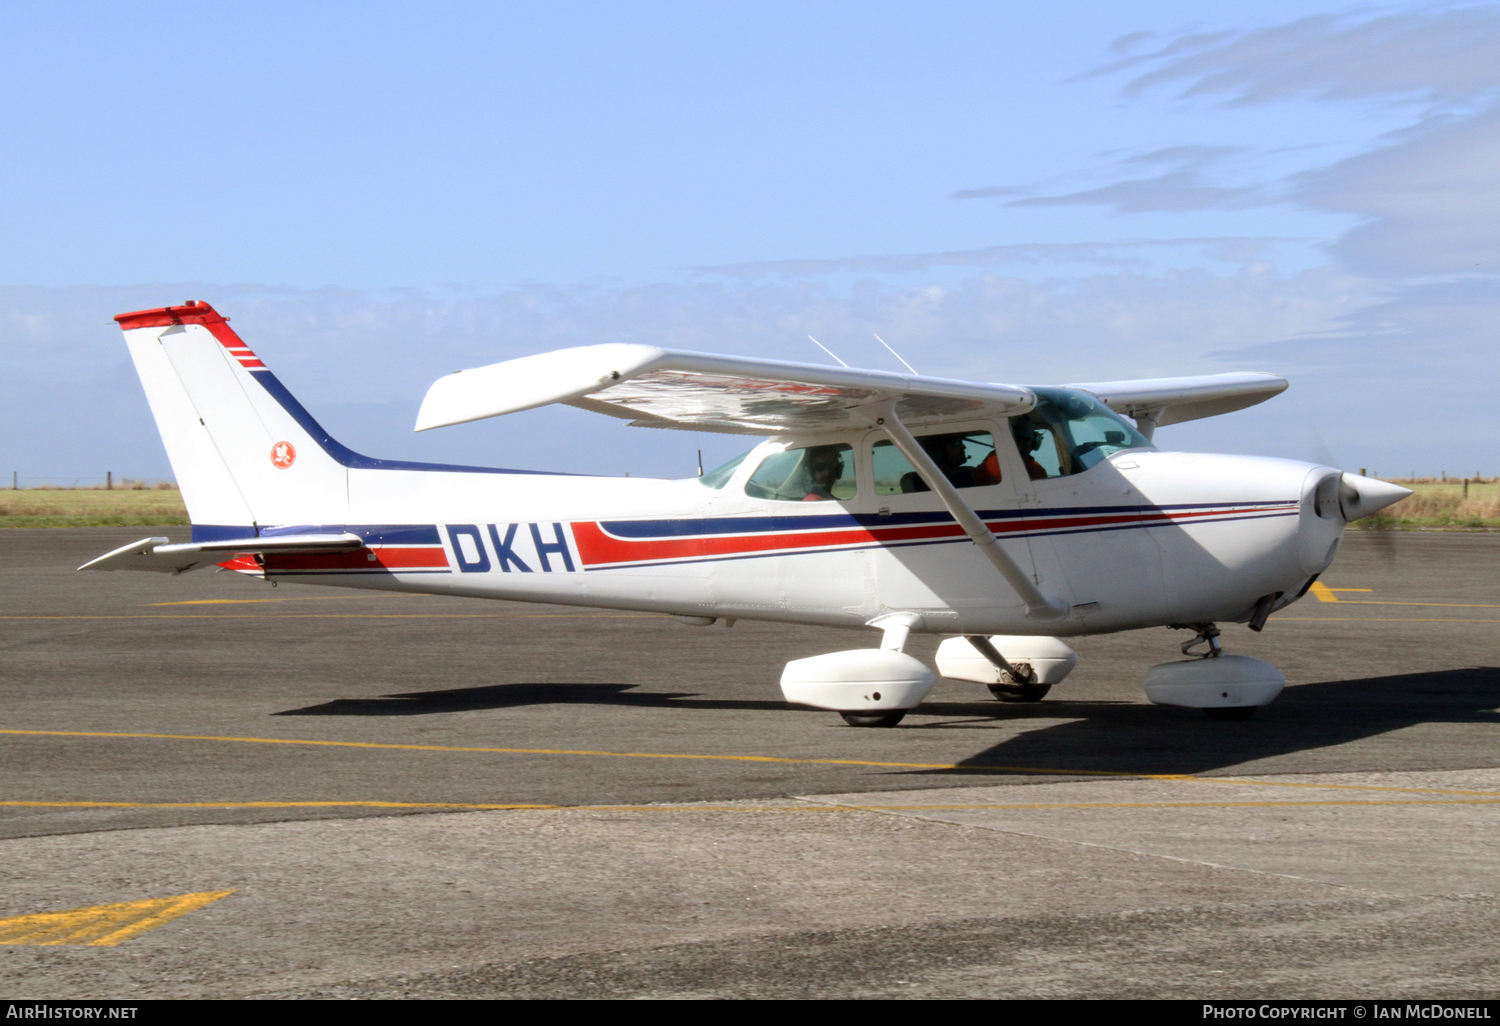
1437	505
92	507
1440	505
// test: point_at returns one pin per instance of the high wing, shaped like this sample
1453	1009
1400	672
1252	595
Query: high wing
653	387
666	388
1174	400
158	555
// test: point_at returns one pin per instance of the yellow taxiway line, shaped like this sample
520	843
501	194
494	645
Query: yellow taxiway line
392	746
802	805
783	760
291	598
102	925
1323	593
341	616
1381	619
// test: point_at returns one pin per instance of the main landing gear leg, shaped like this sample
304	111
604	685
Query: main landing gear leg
1023	686
896	628
867	687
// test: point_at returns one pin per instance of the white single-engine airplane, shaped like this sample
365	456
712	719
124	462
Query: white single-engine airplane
1005	516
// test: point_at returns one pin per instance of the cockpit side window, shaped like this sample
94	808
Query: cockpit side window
818	473
1041	454
1070	431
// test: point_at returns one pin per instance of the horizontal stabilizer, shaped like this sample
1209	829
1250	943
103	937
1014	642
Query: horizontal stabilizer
1174	400
704	392
156	554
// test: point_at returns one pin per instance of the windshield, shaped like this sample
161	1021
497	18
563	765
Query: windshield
1070	431
720	475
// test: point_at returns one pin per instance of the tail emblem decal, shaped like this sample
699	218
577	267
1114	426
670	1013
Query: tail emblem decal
283	455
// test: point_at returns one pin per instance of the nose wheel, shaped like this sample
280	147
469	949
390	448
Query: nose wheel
874	719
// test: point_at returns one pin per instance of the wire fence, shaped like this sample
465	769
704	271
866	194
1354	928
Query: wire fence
21	480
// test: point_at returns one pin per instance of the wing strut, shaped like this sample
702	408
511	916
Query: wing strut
1038	607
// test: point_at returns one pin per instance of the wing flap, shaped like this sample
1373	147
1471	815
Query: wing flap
706	392
159	556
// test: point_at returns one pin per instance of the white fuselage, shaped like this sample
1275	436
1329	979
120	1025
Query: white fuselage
1145	538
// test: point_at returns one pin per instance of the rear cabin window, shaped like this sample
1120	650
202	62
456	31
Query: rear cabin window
817	473
966	458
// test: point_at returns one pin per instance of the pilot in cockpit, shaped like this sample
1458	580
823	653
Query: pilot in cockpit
1028	438
825	465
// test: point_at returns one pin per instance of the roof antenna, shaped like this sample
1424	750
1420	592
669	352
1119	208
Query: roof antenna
896	355
830	351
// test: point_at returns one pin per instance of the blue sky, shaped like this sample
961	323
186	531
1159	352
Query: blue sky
378	194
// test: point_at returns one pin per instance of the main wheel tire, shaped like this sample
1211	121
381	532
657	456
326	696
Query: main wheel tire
874	719
1233	712
1020	692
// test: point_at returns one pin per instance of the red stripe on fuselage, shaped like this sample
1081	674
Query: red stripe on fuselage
596	547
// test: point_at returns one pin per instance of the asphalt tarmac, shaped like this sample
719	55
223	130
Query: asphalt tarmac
449	797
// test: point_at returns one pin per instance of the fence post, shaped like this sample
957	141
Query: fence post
109	480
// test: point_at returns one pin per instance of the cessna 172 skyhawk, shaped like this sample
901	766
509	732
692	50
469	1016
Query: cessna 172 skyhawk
1006	517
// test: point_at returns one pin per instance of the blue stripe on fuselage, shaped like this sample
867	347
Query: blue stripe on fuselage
374	534
711	526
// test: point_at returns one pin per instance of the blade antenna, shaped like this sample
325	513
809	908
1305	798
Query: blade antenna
828	351
896	355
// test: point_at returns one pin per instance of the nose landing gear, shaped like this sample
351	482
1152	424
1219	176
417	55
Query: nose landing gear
1225	687
1208	634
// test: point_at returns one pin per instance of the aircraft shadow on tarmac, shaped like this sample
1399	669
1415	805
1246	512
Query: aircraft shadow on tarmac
1133	738
1095	735
506	696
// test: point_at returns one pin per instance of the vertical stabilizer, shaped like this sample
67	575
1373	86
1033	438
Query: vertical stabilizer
245	453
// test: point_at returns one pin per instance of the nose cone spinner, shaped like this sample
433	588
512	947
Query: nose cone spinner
1361	496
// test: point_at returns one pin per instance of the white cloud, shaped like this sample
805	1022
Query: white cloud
1125	253
1431	199
1175	190
1186	184
1433	56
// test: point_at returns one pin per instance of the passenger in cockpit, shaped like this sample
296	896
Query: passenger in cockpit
951	455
